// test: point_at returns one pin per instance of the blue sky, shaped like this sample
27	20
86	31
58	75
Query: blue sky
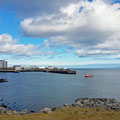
62	34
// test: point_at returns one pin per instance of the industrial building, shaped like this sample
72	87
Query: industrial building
17	67
3	64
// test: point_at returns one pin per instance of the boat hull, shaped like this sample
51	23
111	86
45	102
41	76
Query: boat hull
88	75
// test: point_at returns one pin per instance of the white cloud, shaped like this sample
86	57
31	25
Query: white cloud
91	25
112	43
9	46
98	52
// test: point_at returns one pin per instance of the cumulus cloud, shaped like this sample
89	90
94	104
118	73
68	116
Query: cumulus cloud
92	28
98	52
112	43
9	46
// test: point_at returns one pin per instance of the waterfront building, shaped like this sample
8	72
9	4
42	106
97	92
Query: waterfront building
51	67
3	64
41	67
25	67
17	67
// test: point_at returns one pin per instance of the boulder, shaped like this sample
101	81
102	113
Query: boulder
9	112
23	112
32	111
3	105
79	103
15	112
67	105
54	108
97	102
46	110
3	110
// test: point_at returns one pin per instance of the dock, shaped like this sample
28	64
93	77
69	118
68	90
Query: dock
60	71
63	71
12	71
51	71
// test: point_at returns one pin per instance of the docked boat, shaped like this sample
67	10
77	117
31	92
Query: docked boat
88	75
3	80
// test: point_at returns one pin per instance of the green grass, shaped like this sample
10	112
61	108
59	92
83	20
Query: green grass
70	113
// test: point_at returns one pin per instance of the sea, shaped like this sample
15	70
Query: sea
35	90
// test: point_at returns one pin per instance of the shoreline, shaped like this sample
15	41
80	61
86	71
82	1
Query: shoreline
106	103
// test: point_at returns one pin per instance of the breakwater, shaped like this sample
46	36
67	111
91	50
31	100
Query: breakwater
61	71
12	71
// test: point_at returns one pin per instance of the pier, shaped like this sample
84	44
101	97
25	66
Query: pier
11	71
60	71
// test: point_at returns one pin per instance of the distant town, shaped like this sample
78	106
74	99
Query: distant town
33	68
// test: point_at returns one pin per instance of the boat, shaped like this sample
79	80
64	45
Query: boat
3	80
88	75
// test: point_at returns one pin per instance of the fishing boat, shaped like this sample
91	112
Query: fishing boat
88	75
3	80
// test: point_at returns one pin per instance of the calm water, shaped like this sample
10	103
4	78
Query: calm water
34	90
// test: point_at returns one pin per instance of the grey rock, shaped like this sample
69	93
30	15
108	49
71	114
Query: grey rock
74	105
23	112
15	112
46	110
32	111
67	105
97	102
9	112
3	105
54	108
86	101
3	110
78	105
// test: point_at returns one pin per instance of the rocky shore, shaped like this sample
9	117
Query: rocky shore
112	104
5	110
96	102
108	104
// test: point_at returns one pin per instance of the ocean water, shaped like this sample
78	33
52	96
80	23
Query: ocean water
34	90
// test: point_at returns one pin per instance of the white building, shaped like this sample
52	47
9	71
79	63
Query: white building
17	67
51	67
3	64
41	67
25	67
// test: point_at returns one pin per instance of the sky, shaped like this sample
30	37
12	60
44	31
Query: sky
65	32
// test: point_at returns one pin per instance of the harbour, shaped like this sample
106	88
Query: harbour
35	90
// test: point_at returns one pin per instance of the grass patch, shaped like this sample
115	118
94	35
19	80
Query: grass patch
69	113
